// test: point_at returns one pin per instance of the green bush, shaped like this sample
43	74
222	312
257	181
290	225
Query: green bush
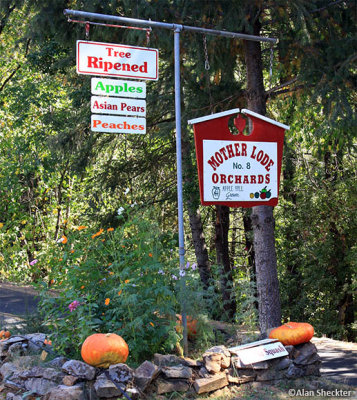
121	281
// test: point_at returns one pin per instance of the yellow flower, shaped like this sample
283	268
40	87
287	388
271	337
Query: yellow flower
24	222
110	229
1	224
126	281
81	227
107	301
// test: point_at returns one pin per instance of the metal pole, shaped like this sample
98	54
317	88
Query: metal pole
177	31
155	24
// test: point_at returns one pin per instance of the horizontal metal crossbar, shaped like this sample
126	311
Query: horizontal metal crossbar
164	25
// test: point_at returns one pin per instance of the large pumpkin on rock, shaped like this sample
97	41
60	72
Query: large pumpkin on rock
104	349
293	333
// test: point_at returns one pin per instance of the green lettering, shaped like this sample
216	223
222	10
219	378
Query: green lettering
99	86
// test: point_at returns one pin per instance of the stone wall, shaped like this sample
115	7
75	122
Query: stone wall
62	379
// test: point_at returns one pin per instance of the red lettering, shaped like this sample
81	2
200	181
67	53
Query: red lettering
244	150
230	150
245	179
213	163
96	122
218	157
265	159
92	62
107	66
223	152
267	178
144	67
253	179
238	179
260	179
230	178
253	152
215	178
260	155
223	178
271	163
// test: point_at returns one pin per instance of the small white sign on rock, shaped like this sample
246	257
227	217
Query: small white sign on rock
259	351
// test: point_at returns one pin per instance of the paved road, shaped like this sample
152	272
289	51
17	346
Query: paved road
339	359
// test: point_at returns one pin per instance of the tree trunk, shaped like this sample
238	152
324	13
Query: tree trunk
222	255
194	214
262	216
249	247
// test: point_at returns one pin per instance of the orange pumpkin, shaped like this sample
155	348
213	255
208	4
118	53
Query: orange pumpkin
293	333
4	334
102	350
191	326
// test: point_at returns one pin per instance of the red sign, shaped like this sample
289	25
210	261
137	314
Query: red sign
238	170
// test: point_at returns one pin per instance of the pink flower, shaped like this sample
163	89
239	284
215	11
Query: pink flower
33	262
74	305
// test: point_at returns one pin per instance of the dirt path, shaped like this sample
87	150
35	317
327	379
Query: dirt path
339	359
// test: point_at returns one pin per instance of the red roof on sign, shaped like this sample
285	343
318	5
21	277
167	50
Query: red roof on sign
235	111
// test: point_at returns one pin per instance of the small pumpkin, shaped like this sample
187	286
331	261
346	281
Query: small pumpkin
191	326
293	333
104	349
4	334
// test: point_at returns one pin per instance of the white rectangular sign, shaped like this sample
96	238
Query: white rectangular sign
261	353
108	59
119	106
113	124
116	87
239	171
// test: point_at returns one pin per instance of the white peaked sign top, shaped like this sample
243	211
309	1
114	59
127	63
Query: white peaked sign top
117	60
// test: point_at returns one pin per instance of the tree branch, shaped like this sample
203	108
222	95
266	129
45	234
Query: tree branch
16	69
6	17
327	5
